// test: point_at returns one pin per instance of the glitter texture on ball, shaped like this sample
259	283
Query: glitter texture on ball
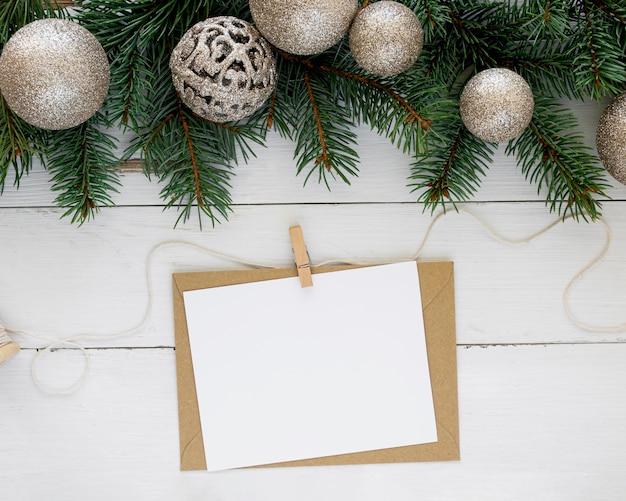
497	105
54	74
223	69
611	138
386	38
303	27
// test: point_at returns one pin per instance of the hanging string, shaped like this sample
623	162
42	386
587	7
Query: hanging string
578	277
526	240
497	237
73	341
4	338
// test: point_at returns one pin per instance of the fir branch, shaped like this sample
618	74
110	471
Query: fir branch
542	41
289	85
182	153
84	169
324	156
308	109
19	144
323	132
433	15
432	99
599	65
556	159
545	20
412	114
430	19
118	25
547	66
404	118
192	157
613	10
476	36
453	169
469	35
595	65
439	188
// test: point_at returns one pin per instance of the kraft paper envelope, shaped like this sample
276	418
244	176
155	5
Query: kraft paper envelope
437	291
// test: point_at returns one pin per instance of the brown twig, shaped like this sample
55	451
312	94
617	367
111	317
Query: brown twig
441	185
131	72
546	15
550	154
597	75
88	204
156	131
324	157
429	16
192	155
270	113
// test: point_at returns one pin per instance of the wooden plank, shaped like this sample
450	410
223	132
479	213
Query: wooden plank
58	279
541	423
270	178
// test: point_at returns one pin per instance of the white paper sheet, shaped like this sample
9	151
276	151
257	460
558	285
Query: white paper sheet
285	373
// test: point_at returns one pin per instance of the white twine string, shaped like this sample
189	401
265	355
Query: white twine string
526	240
4	337
73	341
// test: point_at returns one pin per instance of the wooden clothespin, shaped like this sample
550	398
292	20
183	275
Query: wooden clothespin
8	347
301	256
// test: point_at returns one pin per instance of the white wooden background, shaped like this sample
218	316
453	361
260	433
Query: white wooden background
542	402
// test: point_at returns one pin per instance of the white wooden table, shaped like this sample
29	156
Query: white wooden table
542	402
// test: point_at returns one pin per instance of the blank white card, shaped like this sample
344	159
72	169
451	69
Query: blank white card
285	373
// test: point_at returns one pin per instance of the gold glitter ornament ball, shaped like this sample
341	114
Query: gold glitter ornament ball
303	27
54	74
611	138
497	105
223	69
386	38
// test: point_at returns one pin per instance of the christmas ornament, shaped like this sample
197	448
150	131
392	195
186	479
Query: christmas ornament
611	138
223	69
54	74
386	38
497	105
303	27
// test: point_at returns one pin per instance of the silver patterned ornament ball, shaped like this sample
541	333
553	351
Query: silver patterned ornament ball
386	38
223	69
54	74
611	138
303	27
497	105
